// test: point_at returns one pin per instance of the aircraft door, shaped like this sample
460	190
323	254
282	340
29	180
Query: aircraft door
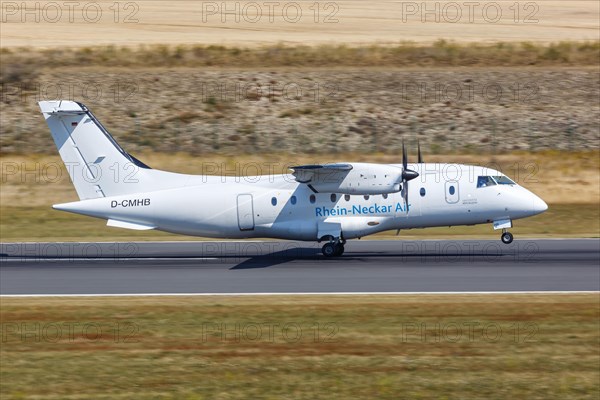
245	212
452	195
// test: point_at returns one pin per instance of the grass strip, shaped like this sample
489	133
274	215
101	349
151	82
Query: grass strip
313	347
17	62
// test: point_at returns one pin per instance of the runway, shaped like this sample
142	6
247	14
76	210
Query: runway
368	266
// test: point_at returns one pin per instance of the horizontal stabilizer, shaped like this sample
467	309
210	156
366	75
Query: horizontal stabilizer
129	225
62	107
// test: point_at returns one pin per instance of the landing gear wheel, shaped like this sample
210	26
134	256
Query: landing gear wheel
332	249
329	250
507	238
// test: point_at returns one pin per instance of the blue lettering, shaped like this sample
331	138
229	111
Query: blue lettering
356	210
400	208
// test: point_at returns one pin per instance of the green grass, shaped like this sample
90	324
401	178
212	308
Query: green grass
384	347
45	224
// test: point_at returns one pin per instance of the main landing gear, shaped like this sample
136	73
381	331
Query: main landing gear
333	248
506	237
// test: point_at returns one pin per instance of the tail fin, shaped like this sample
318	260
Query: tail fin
97	165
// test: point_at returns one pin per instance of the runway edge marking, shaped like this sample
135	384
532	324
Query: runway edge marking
301	294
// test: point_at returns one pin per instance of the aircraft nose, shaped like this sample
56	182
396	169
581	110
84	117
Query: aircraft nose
539	205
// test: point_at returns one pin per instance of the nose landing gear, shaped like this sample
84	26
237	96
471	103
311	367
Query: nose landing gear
504	224
506	237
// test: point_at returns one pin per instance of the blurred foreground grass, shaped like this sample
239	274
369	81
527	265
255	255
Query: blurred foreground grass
314	347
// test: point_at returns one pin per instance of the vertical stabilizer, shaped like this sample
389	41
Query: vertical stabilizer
97	165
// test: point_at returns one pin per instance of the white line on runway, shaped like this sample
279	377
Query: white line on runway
50	259
304	294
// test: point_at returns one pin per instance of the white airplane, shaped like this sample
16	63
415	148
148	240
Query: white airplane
328	203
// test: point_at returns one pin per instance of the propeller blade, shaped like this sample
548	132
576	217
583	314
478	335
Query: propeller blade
420	158
405	195
404	157
407	175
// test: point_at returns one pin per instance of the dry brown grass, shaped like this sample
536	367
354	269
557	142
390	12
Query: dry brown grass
442	53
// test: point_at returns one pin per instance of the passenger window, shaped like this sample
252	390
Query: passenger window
452	190
333	197
366	197
347	197
313	199
385	195
274	201
422	192
293	200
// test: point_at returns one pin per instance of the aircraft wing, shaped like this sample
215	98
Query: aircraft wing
345	178
314	173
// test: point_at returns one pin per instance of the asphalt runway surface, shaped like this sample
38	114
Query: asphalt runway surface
295	267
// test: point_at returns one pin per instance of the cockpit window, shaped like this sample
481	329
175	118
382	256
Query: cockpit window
503	180
483	181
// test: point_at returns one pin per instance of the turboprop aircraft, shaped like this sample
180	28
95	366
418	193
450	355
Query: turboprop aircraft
328	203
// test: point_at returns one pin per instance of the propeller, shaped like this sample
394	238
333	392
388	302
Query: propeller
407	175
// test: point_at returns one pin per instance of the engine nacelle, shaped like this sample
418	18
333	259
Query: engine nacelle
355	178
